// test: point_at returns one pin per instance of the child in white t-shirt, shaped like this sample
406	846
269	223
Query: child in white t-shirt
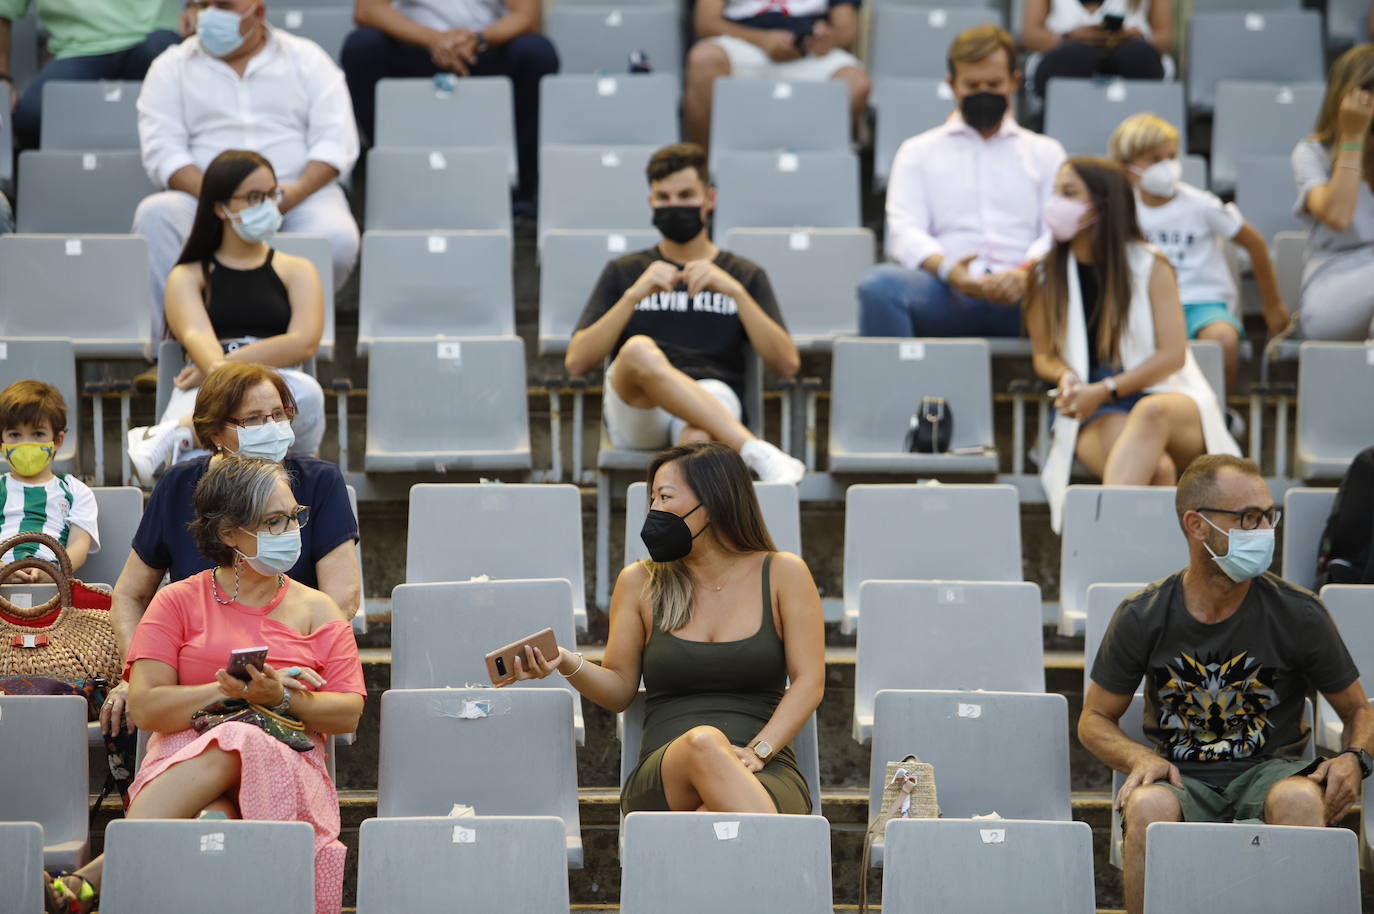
1189	225
33	424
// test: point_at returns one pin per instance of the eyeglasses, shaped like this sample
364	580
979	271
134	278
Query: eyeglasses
284	414
1251	518
254	197
280	523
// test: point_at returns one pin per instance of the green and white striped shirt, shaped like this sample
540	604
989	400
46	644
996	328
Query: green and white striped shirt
52	507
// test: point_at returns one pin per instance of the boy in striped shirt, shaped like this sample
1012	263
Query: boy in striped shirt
33	424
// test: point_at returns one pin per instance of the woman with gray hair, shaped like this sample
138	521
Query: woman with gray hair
247	744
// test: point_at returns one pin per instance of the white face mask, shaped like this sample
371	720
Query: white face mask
271	440
1161	178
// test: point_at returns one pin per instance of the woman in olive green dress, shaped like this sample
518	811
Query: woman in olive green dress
728	636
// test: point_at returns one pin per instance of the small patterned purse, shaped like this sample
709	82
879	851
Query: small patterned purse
908	793
287	729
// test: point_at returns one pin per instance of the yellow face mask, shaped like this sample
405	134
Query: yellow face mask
30	457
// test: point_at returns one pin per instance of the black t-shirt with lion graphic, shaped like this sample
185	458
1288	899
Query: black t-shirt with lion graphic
1220	698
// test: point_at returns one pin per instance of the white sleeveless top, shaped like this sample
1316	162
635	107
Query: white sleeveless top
1137	345
1067	15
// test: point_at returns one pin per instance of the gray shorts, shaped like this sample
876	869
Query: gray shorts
635	429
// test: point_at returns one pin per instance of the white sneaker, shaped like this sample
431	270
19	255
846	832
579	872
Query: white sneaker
151	448
770	464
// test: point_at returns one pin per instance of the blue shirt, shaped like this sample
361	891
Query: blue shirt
163	540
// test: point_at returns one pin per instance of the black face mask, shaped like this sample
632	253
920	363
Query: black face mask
667	536
679	223
983	110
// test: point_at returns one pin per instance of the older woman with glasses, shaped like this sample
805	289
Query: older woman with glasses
231	297
245	409
249	525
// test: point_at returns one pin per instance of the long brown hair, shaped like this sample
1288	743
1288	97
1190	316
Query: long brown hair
1352	70
223	176
1113	202
721	482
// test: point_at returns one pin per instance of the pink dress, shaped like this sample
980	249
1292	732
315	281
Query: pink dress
187	629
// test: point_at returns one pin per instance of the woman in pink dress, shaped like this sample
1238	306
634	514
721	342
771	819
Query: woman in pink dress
248	523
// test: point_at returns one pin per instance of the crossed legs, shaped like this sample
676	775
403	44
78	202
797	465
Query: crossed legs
702	773
1148	446
645	379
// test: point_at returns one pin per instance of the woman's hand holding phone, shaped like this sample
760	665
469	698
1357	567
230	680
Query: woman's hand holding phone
534	665
266	688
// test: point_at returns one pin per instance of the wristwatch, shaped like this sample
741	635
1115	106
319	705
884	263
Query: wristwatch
1364	758
481	41
762	749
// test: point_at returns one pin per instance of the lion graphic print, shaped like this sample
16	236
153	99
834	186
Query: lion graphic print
1213	707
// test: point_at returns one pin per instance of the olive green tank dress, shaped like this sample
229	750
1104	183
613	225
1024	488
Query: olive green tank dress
731	685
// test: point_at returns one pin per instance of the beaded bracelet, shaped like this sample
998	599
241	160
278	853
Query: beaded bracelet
1351	147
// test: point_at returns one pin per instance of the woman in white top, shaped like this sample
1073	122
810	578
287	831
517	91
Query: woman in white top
1082	38
1107	328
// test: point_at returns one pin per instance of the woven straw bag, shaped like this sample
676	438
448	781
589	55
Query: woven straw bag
908	793
69	638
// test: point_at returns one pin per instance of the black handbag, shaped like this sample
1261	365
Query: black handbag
931	428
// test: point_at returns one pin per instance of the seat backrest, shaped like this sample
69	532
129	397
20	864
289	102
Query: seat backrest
6	152
1352	609
317	250
21	856
914	41
966	867
784	859
1332	426
1195	170
120	511
477	112
600	39
90	114
608	110
1082	113
779	502
905	106
1347	22
45	739
545	519
1305	512
570	261
1279	46
593	187
91	290
1289	250
417	284
783	190
462	189
1006	752
1103	600
768	115
1258	119
53	362
1287	868
191	856
93	193
937	533
326	26
1211	362
501	863
1256	178
814	273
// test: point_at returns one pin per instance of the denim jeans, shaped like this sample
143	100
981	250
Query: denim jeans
895	301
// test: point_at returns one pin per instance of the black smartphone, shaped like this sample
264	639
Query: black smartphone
241	659
1113	23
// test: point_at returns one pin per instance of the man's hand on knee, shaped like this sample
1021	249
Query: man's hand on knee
1148	772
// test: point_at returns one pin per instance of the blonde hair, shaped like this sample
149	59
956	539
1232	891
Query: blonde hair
1138	134
1352	70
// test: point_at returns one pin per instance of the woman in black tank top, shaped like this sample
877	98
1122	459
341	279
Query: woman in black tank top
232	297
728	636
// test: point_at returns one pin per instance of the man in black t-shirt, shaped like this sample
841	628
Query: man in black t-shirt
1228	654
677	322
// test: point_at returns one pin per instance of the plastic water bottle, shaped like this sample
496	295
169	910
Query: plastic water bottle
639	62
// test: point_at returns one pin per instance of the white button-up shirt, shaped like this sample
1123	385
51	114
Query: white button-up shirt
291	106
453	14
954	193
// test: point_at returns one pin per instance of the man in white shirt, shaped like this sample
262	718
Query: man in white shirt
240	84
964	208
420	38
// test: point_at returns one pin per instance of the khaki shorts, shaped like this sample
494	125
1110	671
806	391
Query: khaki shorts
747	59
1240	801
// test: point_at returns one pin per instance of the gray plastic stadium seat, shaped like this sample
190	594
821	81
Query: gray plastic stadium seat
1277	46
1004	752
1115	534
92	193
570	262
417	284
90	115
1264	207
1347	23
428	189
501	863
1304	518
599	39
1195	170
782	190
877	386
545	519
1332	426
21	858
24	55
972	635
504	752
317	250
1082	113
478	113
1103	600
1289	250
914	41
91	290
427	620
1212	364
45	739
814	274
905	107
120	510
1352	609
593	187
327	26
53	362
1245	6
962	866
1284	867
784	859
779	502
768	115
157	864
915	532
608	110
6	153
1259	120
454	404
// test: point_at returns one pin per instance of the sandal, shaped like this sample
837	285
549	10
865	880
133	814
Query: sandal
58	897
